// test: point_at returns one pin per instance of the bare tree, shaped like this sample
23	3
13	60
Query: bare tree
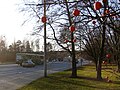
60	14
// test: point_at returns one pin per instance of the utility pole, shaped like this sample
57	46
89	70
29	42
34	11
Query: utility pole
45	61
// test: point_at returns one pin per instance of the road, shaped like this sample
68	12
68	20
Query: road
13	76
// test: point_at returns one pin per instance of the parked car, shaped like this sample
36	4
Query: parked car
28	63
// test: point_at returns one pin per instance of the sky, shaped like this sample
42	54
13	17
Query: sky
11	21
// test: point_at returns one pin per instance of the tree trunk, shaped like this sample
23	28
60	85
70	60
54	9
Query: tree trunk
118	67
74	68
99	65
96	65
117	62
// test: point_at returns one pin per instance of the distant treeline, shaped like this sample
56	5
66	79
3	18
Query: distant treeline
7	57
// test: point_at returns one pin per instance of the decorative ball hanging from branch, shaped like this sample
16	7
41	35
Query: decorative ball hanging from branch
94	22
72	28
97	5
76	12
74	40
107	11
108	56
65	41
44	19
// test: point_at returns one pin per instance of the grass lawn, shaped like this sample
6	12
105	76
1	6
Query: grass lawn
86	80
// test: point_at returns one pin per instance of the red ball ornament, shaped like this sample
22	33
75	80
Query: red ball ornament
65	40
97	5
107	11
94	22
74	40
108	56
44	19
72	28
76	12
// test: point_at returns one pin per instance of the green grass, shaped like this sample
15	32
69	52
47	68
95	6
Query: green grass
86	80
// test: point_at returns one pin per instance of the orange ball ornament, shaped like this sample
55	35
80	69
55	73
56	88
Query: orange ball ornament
76	12
44	19
97	5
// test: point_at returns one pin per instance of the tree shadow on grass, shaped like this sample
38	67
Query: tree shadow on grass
79	68
78	83
108	68
113	72
95	79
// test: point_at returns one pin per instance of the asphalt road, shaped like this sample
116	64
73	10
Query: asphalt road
13	76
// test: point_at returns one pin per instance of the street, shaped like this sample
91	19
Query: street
13	76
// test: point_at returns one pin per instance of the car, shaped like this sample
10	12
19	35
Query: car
28	63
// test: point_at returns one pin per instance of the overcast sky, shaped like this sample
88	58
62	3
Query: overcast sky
11	20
